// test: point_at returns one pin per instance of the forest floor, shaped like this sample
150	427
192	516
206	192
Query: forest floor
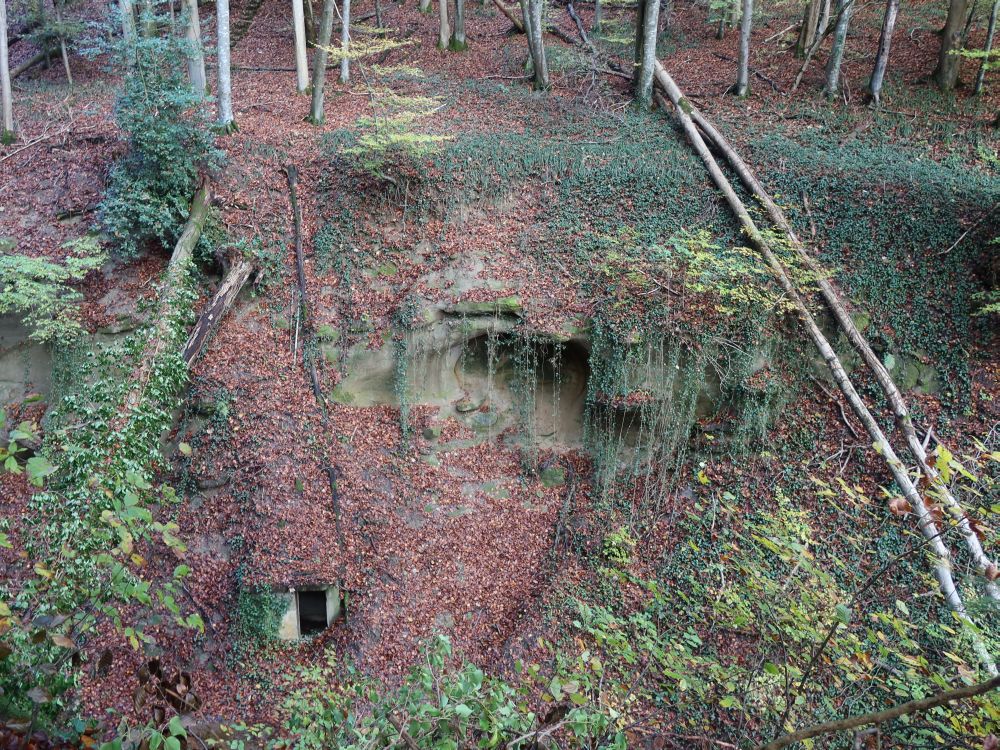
462	544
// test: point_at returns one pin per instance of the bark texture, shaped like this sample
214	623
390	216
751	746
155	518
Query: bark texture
345	41
444	31
941	557
6	95
743	71
236	278
952	40
646	43
128	19
458	33
316	115
832	86
882	58
532	13
301	61
222	56
196	54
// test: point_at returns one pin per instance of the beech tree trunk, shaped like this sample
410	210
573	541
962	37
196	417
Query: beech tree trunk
301	61
6	95
196	53
952	40
882	59
458	42
316	115
128	19
743	72
942	560
646	49
225	77
844	8
532	11
598	16
425	6
444	32
987	48
345	41
810	26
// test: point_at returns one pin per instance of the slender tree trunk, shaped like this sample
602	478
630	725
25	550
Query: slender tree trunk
884	42
196	53
444	33
647	43
345	40
640	40
814	20
987	48
598	16
425	6
310	23
316	116
301	61
458	42
6	97
148	19
226	121
236	277
128	19
844	8
743	72
378	14
942	560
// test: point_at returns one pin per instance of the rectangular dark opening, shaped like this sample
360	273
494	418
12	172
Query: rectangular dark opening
312	612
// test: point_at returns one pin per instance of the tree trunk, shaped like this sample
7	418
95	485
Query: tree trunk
196	53
128	19
844	8
647	43
987	48
598	16
237	276
444	33
531	10
811	22
345	41
6	95
173	278
942	562
225	78
952	39
640	40
30	63
301	61
882	59
425	6
743	72
316	115
894	397
458	42
512	16
148	20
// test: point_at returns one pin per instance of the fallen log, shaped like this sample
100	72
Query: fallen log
31	62
174	278
897	403
232	284
942	564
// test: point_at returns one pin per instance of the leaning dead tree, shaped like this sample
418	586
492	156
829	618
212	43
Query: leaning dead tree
236	277
987	567
942	559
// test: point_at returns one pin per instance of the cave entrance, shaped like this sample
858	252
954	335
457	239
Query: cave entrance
312	612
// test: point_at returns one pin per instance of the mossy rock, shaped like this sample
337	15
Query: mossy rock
281	323
502	306
483	420
7	245
432	433
552	476
387	269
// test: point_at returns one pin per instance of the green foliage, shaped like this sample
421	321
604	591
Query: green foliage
443	702
169	146
39	290
257	619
